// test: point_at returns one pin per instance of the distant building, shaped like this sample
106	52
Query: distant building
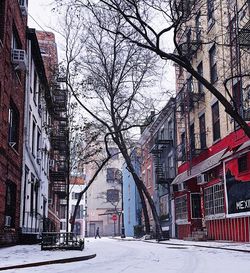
77	184
104	197
158	165
13	64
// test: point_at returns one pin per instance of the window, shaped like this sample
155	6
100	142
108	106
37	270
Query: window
112	195
190	85
114	152
237	94
192	138
13	136
214	200
33	144
113	175
15	41
63	211
210	12
79	213
197	27
32	190
75	195
38	147
181	208
182	147
170	130
164	207
202	124
10	204
200	71
216	121
213	64
242	164
36	186
35	92
196	205
63	225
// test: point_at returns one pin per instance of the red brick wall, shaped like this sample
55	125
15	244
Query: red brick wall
12	88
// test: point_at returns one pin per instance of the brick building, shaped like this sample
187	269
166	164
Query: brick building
13	22
212	189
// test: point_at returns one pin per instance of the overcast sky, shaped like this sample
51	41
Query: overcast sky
41	17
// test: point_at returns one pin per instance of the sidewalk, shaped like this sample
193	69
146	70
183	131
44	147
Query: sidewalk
224	245
20	256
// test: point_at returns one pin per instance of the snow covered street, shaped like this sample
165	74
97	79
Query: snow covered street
118	256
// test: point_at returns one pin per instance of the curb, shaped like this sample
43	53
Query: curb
201	246
60	261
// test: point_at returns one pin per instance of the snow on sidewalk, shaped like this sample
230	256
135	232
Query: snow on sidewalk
22	254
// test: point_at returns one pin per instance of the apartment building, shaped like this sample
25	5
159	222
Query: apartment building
36	144
104	196
58	127
212	186
158	167
13	22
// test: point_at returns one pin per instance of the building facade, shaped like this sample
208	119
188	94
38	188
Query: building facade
104	204
13	22
211	189
76	186
36	144
57	126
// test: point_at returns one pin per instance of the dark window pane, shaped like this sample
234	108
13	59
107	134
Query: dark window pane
216	121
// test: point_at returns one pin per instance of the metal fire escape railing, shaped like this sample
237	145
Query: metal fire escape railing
164	174
59	143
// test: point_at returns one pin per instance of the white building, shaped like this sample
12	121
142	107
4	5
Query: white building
104	197
36	145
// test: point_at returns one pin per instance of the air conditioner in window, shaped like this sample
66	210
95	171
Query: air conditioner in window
24	7
19	59
202	178
7	221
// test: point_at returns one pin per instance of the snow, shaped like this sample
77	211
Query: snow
133	256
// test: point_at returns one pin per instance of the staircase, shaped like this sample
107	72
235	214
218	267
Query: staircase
198	235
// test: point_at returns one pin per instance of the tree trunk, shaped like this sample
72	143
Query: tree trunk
145	211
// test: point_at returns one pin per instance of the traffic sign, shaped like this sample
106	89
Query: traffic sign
114	217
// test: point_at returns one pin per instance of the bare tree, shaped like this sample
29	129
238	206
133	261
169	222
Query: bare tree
175	17
109	78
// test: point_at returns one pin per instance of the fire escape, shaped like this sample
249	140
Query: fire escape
164	174
60	144
239	40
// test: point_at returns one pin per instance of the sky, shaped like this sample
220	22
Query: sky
123	256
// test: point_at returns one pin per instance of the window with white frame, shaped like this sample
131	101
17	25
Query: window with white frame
214	200
181	208
13	134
